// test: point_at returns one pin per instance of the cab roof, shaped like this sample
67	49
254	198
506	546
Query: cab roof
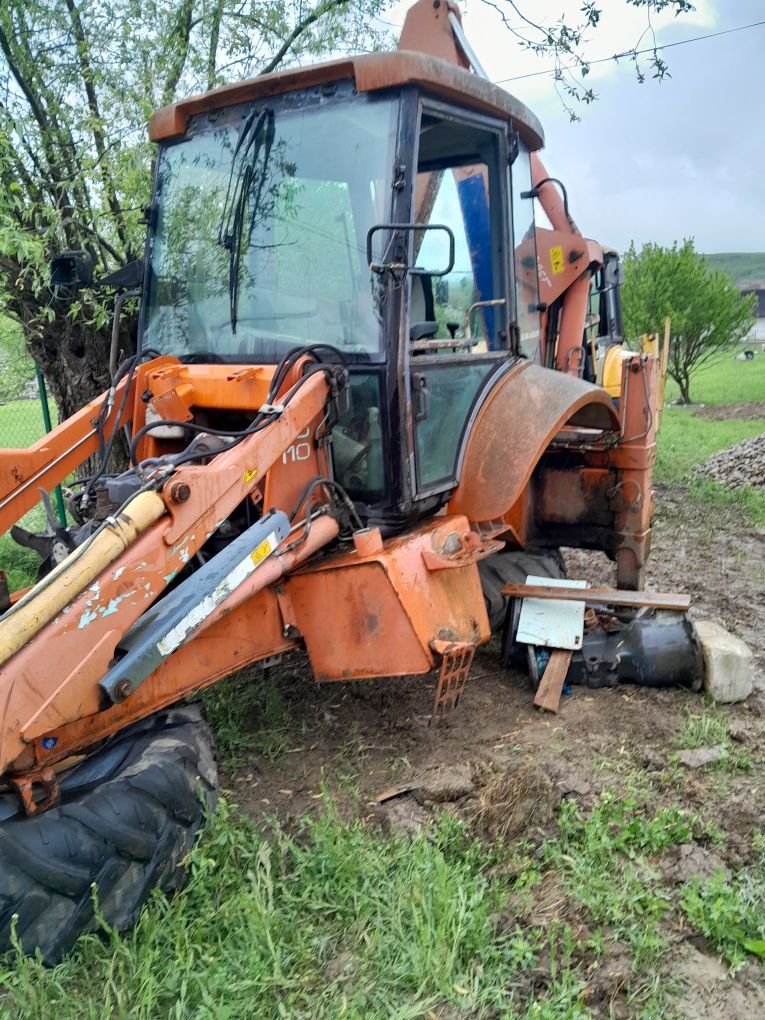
372	72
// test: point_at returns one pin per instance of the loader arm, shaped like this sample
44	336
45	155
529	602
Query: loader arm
89	604
48	462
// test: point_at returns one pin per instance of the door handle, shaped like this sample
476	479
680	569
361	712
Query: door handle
421	396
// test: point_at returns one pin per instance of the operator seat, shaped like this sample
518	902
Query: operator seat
422	315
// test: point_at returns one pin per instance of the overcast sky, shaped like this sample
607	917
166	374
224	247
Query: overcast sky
651	162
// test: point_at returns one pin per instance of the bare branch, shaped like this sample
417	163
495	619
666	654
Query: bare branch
302	26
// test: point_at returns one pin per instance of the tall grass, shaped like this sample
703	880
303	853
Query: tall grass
336	920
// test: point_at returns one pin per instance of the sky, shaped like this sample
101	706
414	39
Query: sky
653	162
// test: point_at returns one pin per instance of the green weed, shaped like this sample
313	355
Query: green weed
603	859
709	728
248	716
729	912
332	922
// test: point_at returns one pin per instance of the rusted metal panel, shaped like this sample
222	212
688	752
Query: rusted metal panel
379	615
515	426
372	73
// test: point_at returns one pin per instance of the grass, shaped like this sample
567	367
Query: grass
730	912
331	922
686	440
709	728
248	716
21	425
335	920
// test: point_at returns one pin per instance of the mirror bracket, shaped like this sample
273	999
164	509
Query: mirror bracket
401	265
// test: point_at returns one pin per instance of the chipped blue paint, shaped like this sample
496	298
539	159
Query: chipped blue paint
118	574
171	576
86	618
114	604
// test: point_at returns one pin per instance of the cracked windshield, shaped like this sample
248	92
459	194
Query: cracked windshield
260	240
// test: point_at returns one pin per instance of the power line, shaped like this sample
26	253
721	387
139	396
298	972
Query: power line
632	53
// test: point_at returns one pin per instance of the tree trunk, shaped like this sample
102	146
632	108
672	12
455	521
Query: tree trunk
685	390
74	359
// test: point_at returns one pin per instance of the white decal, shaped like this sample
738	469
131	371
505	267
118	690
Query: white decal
178	634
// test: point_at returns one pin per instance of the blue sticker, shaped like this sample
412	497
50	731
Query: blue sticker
49	742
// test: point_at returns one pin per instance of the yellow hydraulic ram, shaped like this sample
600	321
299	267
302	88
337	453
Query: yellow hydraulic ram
80	568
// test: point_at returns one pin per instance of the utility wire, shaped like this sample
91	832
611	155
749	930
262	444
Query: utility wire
631	53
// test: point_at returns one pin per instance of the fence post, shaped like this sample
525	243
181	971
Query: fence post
48	427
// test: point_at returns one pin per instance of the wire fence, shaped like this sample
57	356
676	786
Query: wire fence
26	415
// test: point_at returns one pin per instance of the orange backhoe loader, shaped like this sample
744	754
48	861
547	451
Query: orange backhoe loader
362	374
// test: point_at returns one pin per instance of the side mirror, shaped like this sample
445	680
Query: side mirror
398	247
613	270
70	271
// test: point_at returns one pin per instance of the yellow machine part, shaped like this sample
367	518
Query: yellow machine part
612	369
77	571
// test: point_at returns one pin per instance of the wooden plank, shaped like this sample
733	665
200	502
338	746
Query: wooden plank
550	686
609	596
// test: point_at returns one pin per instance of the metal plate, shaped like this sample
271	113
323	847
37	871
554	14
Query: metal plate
552	623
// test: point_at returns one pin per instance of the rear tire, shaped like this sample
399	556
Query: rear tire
128	816
514	567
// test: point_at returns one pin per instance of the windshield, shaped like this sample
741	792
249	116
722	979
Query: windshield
260	238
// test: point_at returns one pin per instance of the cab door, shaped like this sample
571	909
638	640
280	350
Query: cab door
458	324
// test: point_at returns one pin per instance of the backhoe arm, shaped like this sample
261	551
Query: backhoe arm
91	602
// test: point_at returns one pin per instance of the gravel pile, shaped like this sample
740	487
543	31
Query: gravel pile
742	464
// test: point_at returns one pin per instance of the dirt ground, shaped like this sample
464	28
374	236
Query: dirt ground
504	765
723	412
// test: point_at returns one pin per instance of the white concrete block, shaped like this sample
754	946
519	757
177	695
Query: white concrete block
727	663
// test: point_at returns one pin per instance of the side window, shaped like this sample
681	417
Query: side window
456	185
357	441
525	247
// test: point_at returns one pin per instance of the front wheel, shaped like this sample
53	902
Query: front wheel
128	816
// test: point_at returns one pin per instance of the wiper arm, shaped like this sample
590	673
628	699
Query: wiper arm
255	138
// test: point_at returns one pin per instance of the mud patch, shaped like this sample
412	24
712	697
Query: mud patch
726	412
710	991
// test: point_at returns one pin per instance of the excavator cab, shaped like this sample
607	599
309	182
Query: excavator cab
380	221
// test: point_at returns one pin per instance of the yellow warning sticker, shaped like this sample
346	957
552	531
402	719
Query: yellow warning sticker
249	474
260	552
556	260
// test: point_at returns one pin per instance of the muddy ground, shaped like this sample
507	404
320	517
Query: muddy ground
505	766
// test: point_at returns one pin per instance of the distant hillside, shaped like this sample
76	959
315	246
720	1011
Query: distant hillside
745	267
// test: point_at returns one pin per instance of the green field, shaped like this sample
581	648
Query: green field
745	267
21	425
685	440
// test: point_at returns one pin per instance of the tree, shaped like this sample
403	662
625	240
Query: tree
563	43
78	82
709	315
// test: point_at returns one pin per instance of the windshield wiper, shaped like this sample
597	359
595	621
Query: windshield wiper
255	141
